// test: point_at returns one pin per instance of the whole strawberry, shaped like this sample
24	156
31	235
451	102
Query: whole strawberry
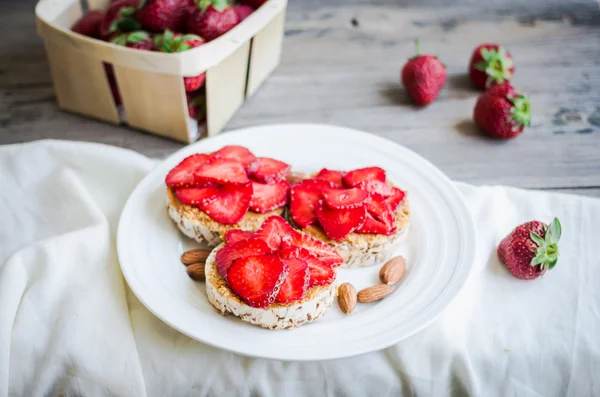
212	19
89	24
502	112
176	42
119	18
531	249
490	64
197	106
139	40
423	77
160	15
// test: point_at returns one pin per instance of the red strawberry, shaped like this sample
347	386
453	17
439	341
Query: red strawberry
230	205
257	279
212	19
501	112
355	177
323	252
423	77
197	106
320	273
345	198
337	223
138	40
89	24
243	11
182	175
240	249
379	219
296	283
490	64
119	18
196	195
176	42
222	171
270	170
160	15
234	235
303	204
531	249
266	197
254	3
335	177
239	154
273	230
395	199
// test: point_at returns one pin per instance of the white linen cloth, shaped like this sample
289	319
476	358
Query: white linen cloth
69	325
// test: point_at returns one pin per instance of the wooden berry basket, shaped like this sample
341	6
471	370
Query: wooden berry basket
151	83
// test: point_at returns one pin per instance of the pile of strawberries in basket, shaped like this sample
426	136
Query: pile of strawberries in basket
165	26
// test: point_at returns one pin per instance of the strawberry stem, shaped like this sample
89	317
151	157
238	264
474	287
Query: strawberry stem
546	255
417	49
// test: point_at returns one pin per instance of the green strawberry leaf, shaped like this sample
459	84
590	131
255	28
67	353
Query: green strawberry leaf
546	255
220	5
138	37
537	239
184	47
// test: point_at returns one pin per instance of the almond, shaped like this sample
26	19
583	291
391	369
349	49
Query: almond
393	270
374	293
196	271
346	297
194	256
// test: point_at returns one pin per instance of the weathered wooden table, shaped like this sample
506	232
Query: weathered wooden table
341	65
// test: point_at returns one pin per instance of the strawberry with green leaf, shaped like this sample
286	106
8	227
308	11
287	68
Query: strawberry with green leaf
212	18
531	249
119	18
502	112
490	64
177	42
138	40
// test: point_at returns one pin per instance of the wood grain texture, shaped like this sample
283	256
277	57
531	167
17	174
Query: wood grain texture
340	65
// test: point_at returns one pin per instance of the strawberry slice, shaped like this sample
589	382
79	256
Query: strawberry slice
241	249
222	171
182	175
395	199
320	273
196	195
266	197
335	177
257	279
270	170
323	252
338	223
273	229
303	203
234	235
377	189
230	204
296	283
353	178
239	154
379	220
345	198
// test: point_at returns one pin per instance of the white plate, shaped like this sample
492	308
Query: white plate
439	250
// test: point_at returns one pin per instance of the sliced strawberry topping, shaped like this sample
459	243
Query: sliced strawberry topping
273	230
234	235
303	203
196	195
257	279
182	175
241	249
239	154
270	170
345	198
377	189
295	285
318	184
380	219
230	204
353	178
335	177
320	273
266	197
338	223
395	199
324	252
222	171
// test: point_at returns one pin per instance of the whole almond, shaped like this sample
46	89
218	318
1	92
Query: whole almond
196	271
374	293
194	256
346	297
393	270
